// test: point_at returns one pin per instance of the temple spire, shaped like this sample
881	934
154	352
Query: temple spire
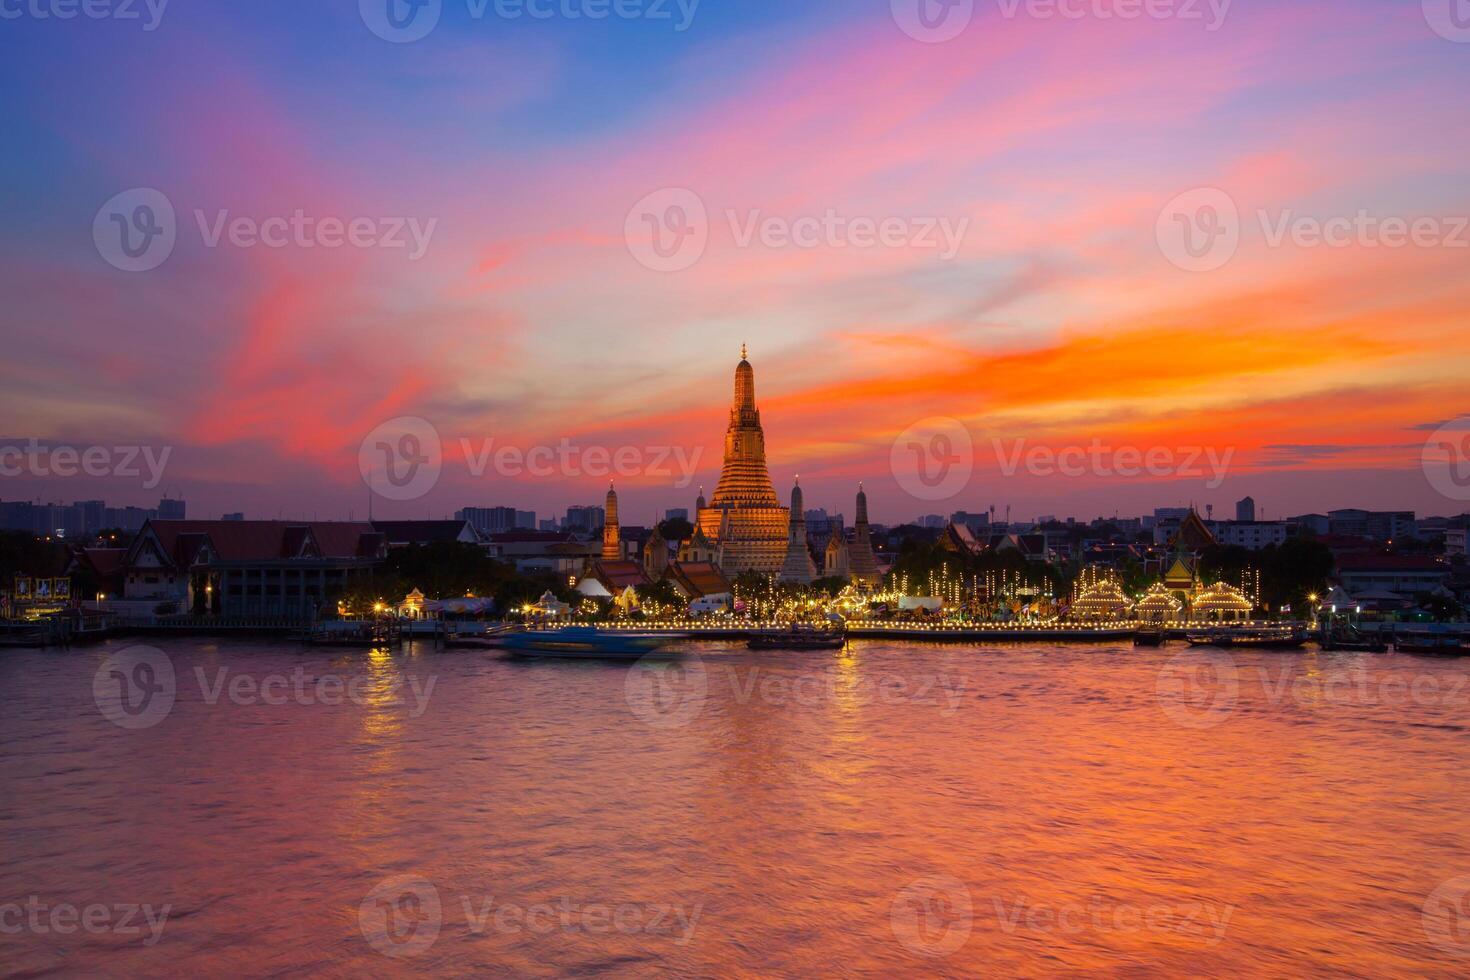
798	566
612	538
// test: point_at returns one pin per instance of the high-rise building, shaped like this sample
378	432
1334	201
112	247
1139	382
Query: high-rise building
745	520
1245	510
171	510
584	519
488	520
677	514
525	520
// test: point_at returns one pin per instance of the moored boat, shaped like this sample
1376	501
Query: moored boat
588	643
1352	640
1425	645
1150	636
799	638
1260	639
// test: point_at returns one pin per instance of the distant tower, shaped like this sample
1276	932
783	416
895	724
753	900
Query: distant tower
798	567
612	538
699	504
864	565
838	560
1245	510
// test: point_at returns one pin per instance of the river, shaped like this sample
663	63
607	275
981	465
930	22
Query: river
254	808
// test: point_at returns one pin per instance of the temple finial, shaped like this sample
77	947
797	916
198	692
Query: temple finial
744	352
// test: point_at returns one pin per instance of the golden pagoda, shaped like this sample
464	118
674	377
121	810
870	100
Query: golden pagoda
744	519
612	540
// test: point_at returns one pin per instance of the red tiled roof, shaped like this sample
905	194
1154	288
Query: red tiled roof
265	540
618	575
700	578
105	561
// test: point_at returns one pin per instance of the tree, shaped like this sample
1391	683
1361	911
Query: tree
676	529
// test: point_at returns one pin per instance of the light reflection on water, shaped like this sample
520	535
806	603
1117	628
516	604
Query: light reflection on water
889	808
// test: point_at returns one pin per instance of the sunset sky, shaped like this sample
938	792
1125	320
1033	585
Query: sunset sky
1057	142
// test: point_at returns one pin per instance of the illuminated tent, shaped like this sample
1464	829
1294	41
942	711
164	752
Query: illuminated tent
1105	600
593	589
1221	602
1159	605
